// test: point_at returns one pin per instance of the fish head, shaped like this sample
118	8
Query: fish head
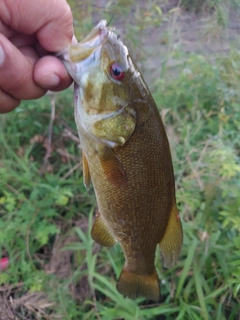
101	70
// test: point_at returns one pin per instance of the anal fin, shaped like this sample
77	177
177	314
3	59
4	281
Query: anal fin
171	243
100	232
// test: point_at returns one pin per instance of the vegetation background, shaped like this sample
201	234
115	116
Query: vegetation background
189	54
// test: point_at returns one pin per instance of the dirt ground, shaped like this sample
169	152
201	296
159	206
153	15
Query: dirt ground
186	30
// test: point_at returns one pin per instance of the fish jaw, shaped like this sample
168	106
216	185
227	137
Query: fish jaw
102	110
78	57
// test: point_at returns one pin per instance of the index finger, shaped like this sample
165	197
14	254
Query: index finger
50	20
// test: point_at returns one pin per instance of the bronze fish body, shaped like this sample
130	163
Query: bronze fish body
126	155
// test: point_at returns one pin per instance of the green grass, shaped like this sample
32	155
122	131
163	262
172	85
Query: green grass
46	213
207	5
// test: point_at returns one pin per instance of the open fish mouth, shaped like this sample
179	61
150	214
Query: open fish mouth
90	43
83	49
75	58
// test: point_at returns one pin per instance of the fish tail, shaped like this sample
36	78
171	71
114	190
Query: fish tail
132	285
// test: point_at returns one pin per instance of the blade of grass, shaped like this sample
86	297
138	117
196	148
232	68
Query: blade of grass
187	265
199	290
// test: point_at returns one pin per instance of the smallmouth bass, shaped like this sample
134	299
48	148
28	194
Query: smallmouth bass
127	158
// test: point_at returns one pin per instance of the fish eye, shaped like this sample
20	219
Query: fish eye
117	72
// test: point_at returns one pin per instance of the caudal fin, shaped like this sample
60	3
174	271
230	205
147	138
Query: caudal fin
132	285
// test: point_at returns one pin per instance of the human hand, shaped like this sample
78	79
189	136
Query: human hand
29	30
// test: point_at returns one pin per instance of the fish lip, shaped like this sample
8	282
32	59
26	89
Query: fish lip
103	30
101	24
96	37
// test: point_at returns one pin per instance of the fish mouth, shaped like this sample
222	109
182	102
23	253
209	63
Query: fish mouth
78	57
96	38
82	50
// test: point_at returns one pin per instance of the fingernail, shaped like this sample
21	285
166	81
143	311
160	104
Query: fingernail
2	55
50	81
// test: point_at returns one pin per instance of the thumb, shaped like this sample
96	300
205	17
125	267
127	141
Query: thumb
57	33
51	21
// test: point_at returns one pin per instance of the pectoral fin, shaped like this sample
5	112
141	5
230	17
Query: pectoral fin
101	234
115	128
171	243
112	166
86	172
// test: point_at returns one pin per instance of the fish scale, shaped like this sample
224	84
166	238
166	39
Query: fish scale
127	157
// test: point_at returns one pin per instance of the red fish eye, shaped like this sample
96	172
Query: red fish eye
117	72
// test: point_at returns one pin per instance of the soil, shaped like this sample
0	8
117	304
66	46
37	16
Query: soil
190	31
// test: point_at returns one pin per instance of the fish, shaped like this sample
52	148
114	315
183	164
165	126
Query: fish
126	157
